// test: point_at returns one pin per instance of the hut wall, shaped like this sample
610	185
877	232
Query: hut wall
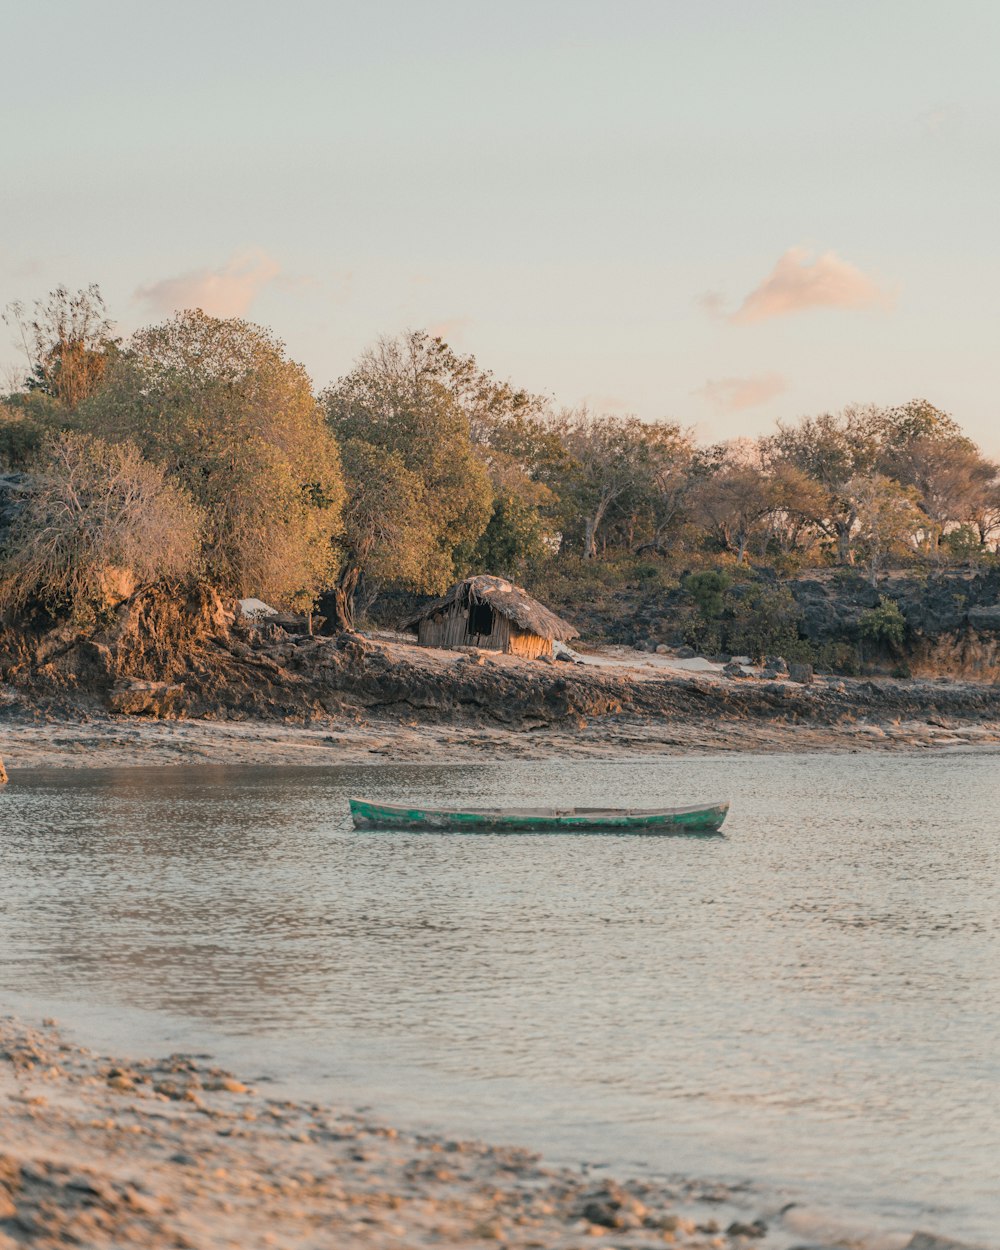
524	642
449	629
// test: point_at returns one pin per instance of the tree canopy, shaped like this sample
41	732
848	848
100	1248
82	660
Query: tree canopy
398	413
219	405
419	466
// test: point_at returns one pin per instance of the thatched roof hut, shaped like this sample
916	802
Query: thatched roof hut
492	613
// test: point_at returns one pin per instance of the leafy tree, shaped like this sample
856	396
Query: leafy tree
97	521
67	342
830	451
513	435
397	401
888	519
734	500
673	473
620	469
896	428
985	511
233	421
514	541
949	477
384	532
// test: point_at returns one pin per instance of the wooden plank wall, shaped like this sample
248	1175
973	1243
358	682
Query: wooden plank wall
448	629
524	642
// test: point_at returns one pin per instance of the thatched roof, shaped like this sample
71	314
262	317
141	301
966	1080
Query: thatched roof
503	597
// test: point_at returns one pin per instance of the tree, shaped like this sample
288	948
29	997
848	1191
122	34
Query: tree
736	496
234	421
888	519
675	473
985	512
67	342
831	450
384	532
895	428
619	468
515	539
762	620
98	520
792	525
397	403
948	475
513	436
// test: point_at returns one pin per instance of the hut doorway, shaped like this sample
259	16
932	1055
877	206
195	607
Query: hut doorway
480	620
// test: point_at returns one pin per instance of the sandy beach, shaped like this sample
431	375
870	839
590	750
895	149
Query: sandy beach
108	1151
106	741
100	1151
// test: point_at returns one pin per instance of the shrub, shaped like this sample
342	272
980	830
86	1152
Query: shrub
25	421
884	626
963	544
97	521
838	657
762	621
707	589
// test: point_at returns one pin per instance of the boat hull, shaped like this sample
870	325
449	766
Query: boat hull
701	819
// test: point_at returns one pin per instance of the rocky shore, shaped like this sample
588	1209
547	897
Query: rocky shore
172	680
101	1151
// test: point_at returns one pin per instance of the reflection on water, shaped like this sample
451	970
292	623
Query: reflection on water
812	1000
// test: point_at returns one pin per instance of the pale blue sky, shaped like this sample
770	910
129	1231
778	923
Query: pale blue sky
557	185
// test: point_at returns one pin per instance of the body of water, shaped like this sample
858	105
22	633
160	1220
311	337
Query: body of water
810	1002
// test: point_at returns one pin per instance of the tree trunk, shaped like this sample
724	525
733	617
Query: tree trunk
845	553
592	525
589	545
343	598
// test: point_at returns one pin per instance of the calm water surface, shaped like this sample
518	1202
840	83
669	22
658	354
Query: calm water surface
811	1002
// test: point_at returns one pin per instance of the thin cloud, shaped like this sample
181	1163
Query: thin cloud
605	403
29	267
735	394
795	284
451	330
227	291
942	122
713	303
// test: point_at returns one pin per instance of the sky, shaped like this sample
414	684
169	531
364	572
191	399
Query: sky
718	212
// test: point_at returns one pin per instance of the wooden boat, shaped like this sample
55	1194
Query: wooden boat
706	818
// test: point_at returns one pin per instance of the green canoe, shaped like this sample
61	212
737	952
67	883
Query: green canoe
706	818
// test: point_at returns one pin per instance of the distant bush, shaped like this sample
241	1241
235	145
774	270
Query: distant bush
23	429
707	589
762	620
98	521
884	626
963	544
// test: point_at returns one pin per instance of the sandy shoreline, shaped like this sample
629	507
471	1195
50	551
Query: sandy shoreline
124	741
103	1151
177	1152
